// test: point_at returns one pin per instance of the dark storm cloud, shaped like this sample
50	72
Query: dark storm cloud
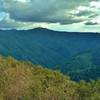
42	11
91	23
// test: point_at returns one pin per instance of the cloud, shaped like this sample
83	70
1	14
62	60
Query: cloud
91	23
8	23
36	11
27	14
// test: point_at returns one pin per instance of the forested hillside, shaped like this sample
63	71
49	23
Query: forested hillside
73	53
46	47
84	66
21	80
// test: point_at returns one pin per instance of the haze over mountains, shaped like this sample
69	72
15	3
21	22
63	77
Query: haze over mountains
76	54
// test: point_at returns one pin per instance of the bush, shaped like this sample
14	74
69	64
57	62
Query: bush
23	81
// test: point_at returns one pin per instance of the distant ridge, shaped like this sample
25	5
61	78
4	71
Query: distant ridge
46	29
34	29
41	29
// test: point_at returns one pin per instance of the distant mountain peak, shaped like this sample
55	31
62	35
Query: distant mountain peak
40	28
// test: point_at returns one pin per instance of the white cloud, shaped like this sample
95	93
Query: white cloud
95	4
96	19
23	1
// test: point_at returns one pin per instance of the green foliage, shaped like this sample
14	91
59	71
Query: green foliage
24	81
84	66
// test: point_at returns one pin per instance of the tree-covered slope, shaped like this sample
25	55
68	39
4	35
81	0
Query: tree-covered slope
64	51
83	66
23	81
46	47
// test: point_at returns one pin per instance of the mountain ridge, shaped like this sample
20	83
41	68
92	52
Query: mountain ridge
46	29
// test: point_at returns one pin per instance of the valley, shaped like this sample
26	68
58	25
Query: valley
73	53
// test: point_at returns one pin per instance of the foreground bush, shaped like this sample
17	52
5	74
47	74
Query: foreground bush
24	81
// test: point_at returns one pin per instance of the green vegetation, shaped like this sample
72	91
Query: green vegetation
84	66
24	81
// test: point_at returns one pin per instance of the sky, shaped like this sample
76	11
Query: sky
60	15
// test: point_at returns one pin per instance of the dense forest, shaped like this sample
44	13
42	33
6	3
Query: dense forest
75	54
85	66
21	80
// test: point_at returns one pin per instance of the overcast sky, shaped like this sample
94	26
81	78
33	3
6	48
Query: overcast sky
61	15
